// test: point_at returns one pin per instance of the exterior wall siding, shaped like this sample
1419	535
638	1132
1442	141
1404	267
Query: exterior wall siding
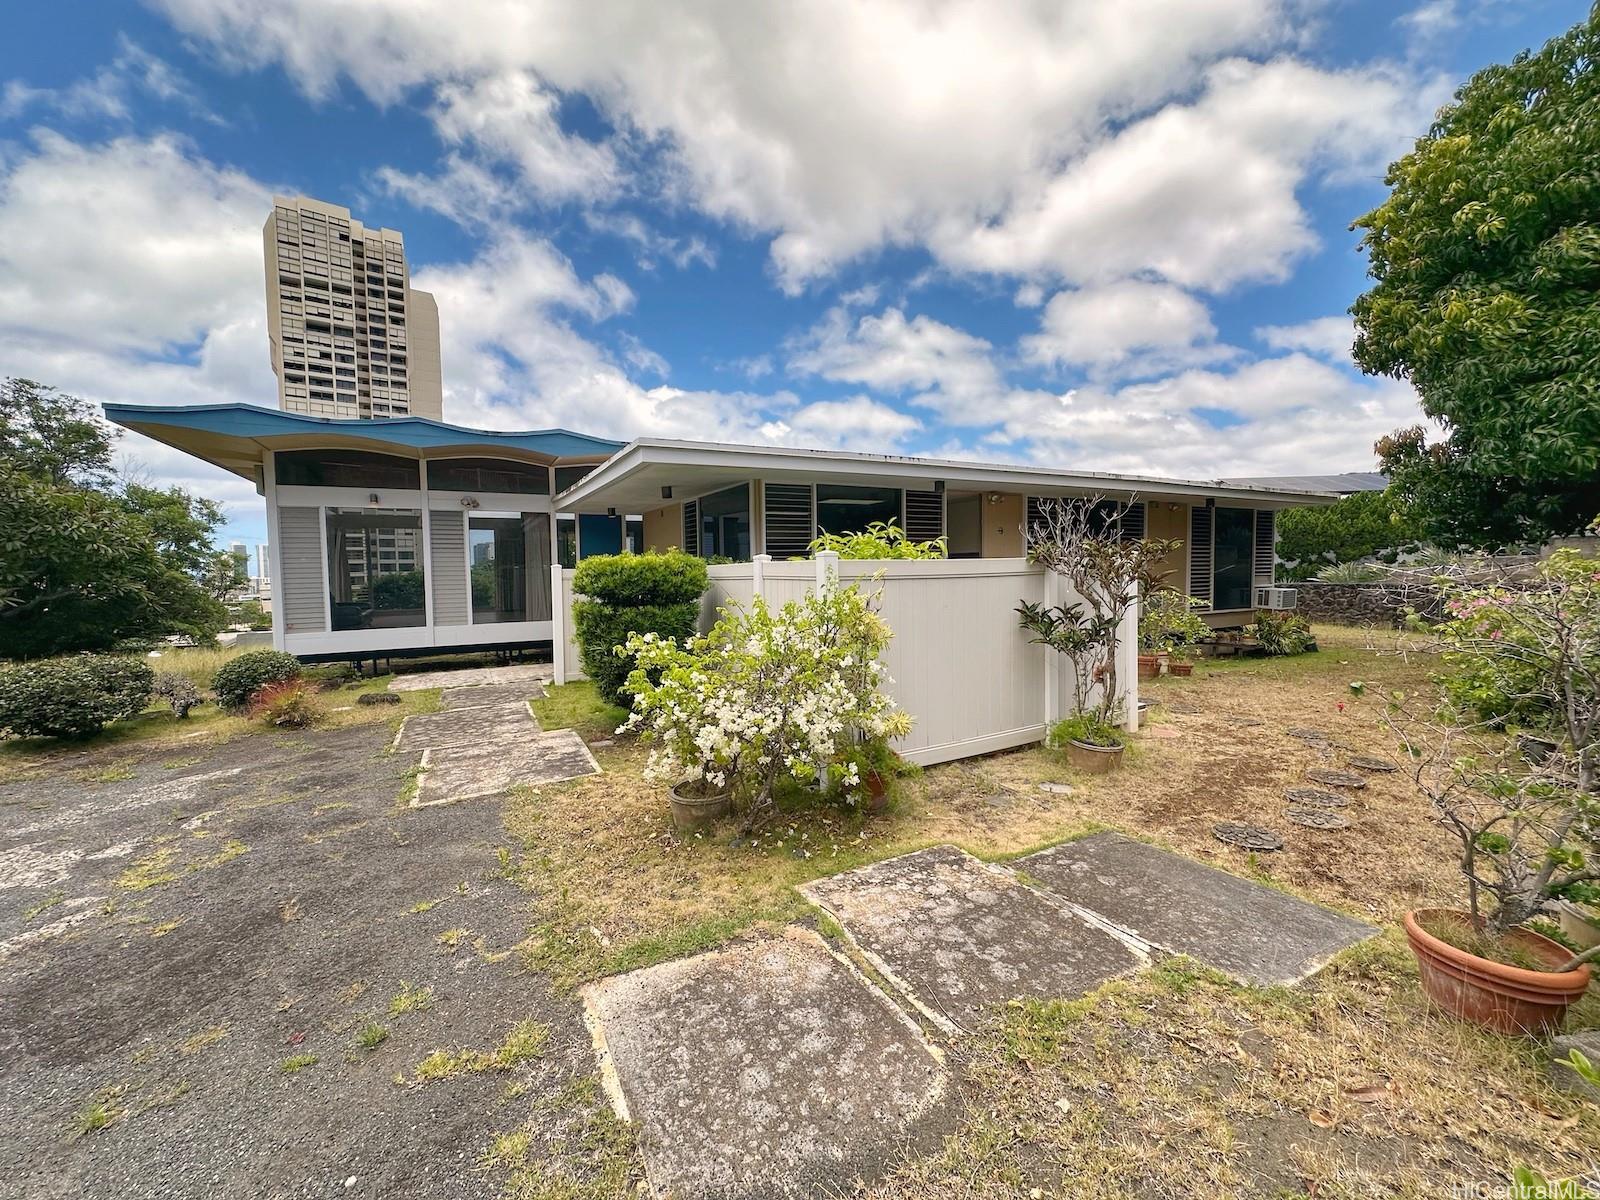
663	527
299	584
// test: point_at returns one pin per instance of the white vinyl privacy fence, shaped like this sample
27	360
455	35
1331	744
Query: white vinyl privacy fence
958	662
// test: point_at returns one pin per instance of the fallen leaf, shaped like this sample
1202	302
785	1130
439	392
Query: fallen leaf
1369	1094
1321	1119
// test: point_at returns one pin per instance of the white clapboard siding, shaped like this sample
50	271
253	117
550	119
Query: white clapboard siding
300	588
447	536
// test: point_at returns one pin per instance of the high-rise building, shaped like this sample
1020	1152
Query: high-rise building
350	337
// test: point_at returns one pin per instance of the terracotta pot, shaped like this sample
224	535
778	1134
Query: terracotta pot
1180	669
877	791
1094	760
1581	925
1506	999
1150	666
692	813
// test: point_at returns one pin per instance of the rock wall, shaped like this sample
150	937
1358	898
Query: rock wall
1381	604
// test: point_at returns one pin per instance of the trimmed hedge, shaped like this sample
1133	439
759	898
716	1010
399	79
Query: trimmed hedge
72	697
238	679
632	593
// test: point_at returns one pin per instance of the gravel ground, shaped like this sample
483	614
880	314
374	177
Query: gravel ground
169	940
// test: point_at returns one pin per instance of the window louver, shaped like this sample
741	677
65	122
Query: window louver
1266	546
691	527
924	516
789	528
1200	551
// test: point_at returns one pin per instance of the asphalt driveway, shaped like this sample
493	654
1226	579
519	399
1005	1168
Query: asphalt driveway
176	936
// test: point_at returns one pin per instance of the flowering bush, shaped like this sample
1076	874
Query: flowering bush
765	695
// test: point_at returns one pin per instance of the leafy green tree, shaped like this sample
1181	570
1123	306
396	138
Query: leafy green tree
84	566
1486	257
1362	525
56	437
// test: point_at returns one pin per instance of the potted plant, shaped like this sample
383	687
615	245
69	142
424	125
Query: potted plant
1092	743
1528	831
1168	625
765	695
865	774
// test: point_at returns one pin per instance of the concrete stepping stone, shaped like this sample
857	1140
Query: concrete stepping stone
1318	818
455	773
486	694
1313	736
1304	797
1334	777
1379	765
1256	934
499	724
473	677
770	1068
960	938
1246	837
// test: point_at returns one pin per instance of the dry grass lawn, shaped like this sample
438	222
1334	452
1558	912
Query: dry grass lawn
1176	1083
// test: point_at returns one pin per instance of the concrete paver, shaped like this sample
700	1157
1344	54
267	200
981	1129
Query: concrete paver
767	1070
490	767
1254	933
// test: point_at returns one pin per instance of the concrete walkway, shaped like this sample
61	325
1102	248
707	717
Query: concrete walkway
774	1069
485	739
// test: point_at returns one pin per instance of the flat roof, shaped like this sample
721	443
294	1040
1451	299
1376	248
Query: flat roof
632	479
1343	483
235	436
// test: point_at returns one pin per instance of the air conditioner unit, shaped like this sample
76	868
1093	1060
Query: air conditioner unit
1276	597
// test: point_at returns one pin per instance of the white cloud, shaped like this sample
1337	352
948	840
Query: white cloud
1029	295
1326	337
859	423
1074	141
108	92
650	245
133	244
1131	327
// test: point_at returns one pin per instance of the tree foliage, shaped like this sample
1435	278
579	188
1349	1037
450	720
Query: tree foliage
1362	525
84	565
1486	257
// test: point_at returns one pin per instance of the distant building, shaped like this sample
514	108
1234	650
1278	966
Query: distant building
349	336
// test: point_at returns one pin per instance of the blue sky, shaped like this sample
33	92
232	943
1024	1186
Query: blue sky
1077	234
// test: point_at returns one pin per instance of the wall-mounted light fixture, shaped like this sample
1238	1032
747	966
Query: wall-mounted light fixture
469	502
373	501
994	497
666	492
611	512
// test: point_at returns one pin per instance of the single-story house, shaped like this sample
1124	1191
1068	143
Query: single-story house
718	500
408	535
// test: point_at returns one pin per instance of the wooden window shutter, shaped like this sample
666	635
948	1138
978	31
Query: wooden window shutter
1200	552
1266	547
787	509
691	527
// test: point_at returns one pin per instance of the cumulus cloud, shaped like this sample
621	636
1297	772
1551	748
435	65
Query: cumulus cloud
858	423
1076	141
108	92
1326	337
1130	327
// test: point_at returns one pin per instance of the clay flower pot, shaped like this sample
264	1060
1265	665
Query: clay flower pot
1180	668
1094	760
1503	998
1151	665
693	811
876	787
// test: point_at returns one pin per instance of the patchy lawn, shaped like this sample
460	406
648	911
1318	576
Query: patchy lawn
1174	1083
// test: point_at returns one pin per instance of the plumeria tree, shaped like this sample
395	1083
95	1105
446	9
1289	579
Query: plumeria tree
1521	652
766	695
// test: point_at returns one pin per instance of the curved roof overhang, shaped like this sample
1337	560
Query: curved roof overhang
235	437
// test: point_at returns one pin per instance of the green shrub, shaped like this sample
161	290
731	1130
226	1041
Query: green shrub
635	580
601	628
627	594
1280	633
881	539
241	678
72	697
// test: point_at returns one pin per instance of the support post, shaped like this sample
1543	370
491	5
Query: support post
1052	660
558	624
1128	663
827	569
758	575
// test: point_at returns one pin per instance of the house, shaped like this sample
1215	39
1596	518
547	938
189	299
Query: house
410	535
727	501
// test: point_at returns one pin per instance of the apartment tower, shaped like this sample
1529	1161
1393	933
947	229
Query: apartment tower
350	337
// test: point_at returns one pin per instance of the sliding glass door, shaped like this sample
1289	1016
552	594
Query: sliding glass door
1233	563
508	564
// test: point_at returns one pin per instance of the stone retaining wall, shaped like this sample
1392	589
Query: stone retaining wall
1379	603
